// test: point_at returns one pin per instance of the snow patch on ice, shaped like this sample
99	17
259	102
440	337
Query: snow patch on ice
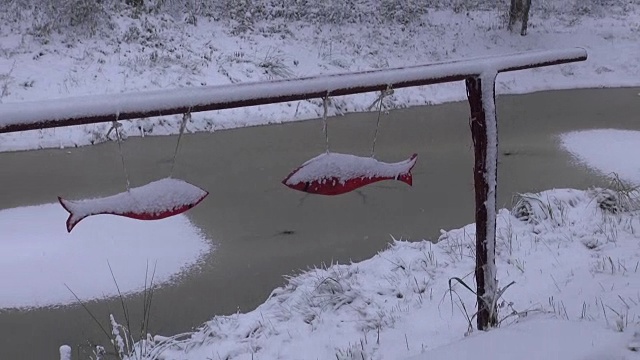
607	151
37	261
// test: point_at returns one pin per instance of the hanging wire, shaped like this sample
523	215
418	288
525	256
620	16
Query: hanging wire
115	125
186	117
388	91
325	129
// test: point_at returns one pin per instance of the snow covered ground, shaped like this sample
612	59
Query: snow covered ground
154	52
43	259
554	339
574	264
568	257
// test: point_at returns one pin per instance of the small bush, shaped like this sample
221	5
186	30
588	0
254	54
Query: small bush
69	17
402	12
618	197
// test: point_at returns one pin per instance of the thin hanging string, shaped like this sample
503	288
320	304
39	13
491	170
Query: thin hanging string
186	117
115	126
383	94
325	128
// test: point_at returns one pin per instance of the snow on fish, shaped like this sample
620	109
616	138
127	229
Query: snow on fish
153	201
335	173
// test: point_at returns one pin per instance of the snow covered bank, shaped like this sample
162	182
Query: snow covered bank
607	151
168	52
539	339
570	257
38	257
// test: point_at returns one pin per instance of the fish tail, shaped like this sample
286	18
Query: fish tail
407	177
73	218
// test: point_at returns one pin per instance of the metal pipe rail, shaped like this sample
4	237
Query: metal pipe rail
31	115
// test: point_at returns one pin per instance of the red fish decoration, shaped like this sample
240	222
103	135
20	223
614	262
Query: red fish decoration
153	201
335	173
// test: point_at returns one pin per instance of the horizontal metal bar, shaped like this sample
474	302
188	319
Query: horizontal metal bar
21	116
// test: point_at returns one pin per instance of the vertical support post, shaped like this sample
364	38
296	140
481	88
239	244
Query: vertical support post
484	133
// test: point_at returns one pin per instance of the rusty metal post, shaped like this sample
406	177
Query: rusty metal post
487	317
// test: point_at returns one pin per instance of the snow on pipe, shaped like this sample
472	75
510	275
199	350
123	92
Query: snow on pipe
21	116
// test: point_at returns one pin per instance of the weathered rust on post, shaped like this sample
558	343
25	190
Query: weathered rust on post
487	317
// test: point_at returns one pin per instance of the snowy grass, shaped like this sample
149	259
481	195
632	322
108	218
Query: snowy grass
122	336
159	48
46	261
573	264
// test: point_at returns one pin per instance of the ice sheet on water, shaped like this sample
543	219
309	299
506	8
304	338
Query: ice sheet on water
347	166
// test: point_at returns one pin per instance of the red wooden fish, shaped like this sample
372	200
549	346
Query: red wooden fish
335	174
153	201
